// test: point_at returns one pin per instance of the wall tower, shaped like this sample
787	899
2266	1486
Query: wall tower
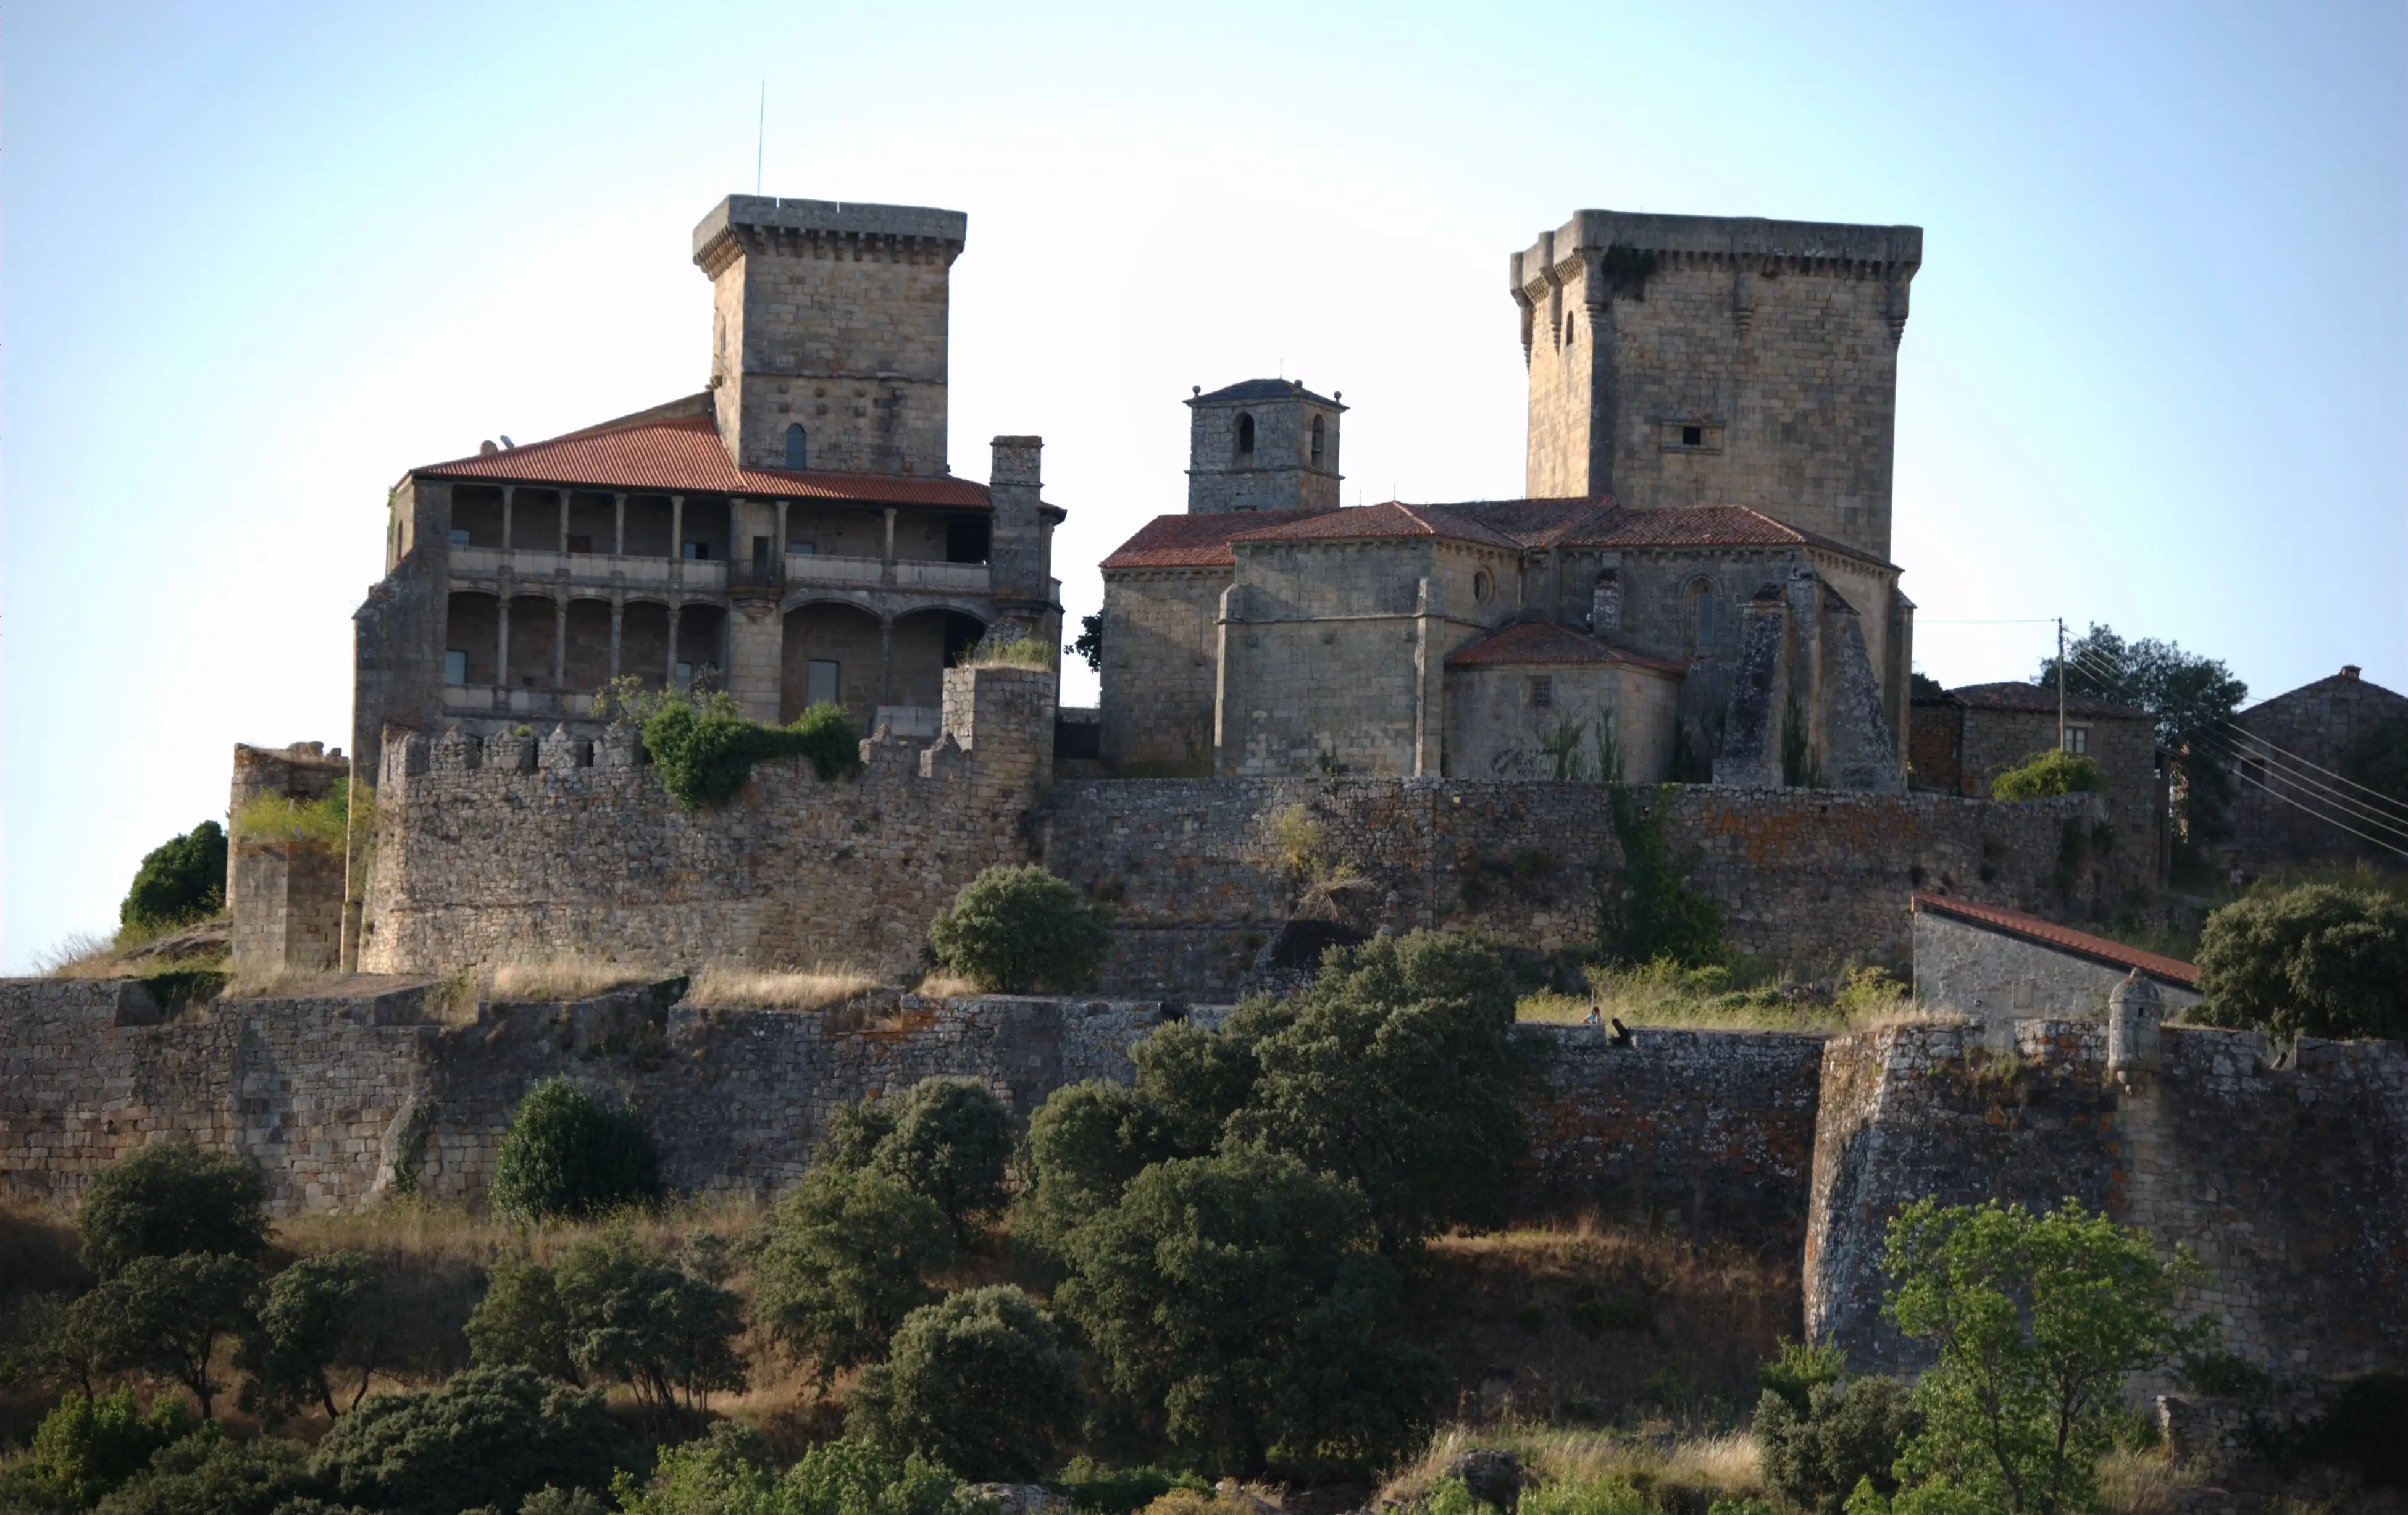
1710	359
828	332
1267	444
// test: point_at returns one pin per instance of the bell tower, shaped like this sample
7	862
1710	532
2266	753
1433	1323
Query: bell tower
1267	444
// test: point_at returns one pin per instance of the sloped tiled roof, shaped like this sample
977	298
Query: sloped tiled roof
2041	700
1372	522
681	455
1263	389
1534	642
2048	933
1700	525
1200	541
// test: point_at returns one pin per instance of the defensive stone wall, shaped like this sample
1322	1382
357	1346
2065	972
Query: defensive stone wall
1200	869
285	894
2290	1182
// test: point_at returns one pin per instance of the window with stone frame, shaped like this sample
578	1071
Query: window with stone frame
798	447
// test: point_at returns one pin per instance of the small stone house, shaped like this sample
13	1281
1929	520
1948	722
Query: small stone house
2001	966
2286	811
1963	739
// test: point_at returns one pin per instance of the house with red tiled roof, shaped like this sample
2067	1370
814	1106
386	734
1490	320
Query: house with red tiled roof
2001	966
794	534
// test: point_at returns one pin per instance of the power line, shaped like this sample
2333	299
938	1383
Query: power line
2240	758
2326	818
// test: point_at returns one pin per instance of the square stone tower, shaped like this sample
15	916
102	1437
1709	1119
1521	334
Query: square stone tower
1267	444
1710	359
828	337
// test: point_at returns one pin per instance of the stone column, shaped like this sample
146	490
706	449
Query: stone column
778	548
886	559
669	674
560	649
566	496
618	530
676	530
886	653
618	614
502	637
510	500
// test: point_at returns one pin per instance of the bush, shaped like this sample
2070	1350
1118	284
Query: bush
491	1435
1085	1143
521	1322
166	1316
1586	1497
613	1312
170	1199
952	1141
2038	1319
1649	912
728	1473
981	1382
565	1156
725	1472
705	747
1015	929
2046	775
850	1476
308	1323
86	1448
324	822
183	879
840	1262
2314	959
1399	1073
1848	1431
1105	1491
204	1474
1238	1303
1798	1370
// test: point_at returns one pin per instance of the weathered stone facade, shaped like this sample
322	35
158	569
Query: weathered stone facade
1965	738
1704	360
2284	811
1265	444
2290	1182
1972	962
284	892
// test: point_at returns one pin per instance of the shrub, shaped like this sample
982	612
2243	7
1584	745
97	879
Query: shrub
1847	1432
705	747
981	1382
1107	1491
166	1315
725	1472
1648	911
522	1323
850	1476
950	1141
2038	1319
1015	929
1398	1073
1085	1143
170	1199
1794	1374
309	1322
840	1262
1237	1304
565	1156
183	879
491	1435
1585	1496
324	822
2046	775
2314	960
86	1447
204	1474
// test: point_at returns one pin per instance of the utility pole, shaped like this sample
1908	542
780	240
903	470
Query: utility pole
2060	683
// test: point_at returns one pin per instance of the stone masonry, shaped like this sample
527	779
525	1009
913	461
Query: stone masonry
1988	965
284	892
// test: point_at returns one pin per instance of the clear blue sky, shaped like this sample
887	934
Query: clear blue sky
261	259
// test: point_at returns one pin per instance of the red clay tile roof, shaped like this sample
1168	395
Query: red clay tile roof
1393	518
1194	541
681	455
2041	700
1701	525
2048	933
1543	642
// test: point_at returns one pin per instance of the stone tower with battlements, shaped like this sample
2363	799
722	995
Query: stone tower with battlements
828	332
1267	444
1710	359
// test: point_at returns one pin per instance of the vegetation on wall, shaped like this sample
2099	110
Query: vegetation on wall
181	880
1647	912
2318	960
705	746
2047	775
323	821
1016	929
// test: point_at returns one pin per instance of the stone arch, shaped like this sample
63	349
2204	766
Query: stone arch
585	665
702	640
471	626
927	642
1320	439
799	446
644	641
1245	441
534	634
833	649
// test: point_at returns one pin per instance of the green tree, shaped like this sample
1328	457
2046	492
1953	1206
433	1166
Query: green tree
204	1474
2192	700
2038	1319
181	880
1647	912
567	1156
981	1382
315	1318
2314	959
1847	1432
1085	1143
952	1141
1017	929
842	1260
491	1435
850	1476
1090	641
166	1315
521	1322
170	1198
2046	775
1195	1079
725	1471
1238	1303
636	1319
1399	1073
86	1448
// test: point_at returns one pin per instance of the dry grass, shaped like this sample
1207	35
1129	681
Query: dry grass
564	976
2140	1483
772	989
1714	1000
943	985
1710	1466
1022	653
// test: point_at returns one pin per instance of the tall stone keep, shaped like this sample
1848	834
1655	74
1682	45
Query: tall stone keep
1265	444
828	332
1711	360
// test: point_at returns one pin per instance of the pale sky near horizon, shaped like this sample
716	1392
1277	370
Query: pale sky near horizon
261	259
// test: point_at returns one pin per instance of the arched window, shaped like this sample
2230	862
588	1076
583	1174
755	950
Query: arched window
798	447
1245	436
1316	440
1702	617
